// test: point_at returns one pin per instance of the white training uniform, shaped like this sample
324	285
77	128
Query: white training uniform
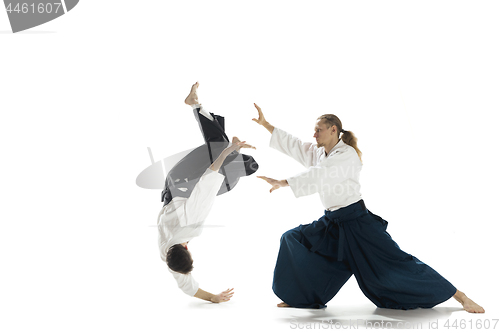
334	177
182	219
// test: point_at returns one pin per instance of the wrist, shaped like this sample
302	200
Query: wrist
268	126
227	151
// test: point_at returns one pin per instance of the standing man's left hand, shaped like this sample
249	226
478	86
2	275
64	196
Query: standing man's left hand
276	184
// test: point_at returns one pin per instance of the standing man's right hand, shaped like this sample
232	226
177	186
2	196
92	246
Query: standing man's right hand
262	121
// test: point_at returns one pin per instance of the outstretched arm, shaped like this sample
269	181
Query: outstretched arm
262	121
302	152
222	297
326	176
190	287
200	201
276	184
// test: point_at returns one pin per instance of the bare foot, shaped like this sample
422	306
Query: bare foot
471	307
283	305
192	97
468	304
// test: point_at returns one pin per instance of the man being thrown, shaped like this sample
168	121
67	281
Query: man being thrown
316	259
182	218
182	178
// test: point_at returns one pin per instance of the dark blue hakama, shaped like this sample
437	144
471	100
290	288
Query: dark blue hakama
315	260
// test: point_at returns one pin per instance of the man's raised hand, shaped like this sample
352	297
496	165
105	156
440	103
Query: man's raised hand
225	153
262	121
242	144
235	146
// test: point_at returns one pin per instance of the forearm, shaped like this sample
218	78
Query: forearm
302	152
269	127
218	162
205	295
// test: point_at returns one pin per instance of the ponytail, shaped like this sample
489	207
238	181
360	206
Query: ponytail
350	139
347	137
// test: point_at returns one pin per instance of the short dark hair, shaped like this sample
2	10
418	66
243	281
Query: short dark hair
179	259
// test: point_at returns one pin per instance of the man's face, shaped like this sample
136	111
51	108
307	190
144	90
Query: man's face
322	133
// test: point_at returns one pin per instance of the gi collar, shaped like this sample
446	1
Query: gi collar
339	144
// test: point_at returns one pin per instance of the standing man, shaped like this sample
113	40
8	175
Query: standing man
316	259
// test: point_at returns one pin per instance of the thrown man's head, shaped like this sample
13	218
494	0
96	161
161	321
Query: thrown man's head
179	259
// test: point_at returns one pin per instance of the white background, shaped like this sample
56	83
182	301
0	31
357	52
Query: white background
83	96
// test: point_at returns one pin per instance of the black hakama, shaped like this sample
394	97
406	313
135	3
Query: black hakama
182	178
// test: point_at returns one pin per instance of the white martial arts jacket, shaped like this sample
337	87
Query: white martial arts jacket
334	177
182	219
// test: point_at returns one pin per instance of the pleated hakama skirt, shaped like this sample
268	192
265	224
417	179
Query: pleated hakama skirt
315	260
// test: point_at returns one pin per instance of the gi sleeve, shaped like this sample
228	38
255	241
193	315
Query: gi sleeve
186	283
302	152
328	175
202	197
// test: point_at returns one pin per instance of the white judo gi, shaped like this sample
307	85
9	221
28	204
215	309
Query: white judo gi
334	177
182	219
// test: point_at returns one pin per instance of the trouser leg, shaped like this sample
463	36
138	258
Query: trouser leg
307	279
388	276
212	126
184	175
